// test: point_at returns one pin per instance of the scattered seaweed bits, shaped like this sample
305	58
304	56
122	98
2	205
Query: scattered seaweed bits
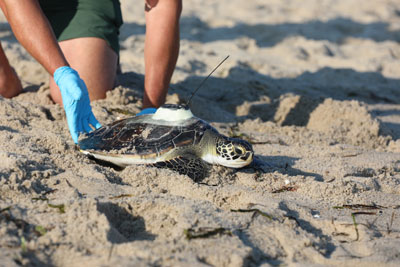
40	230
390	224
353	216
340	234
360	207
205	232
121	196
256	212
41	198
351	155
234	133
23	244
363	213
285	188
201	183
111	251
61	207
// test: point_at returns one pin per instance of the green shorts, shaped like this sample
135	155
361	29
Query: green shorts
84	18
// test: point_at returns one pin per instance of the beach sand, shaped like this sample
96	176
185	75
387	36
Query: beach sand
313	84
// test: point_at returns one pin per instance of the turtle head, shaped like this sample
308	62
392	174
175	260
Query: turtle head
234	152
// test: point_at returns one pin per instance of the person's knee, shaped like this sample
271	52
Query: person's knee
178	4
175	4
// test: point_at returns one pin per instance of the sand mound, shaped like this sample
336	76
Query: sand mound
348	122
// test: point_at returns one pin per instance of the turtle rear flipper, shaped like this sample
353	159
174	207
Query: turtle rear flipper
189	165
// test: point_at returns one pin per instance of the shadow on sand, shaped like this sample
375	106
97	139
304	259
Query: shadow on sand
125	227
267	35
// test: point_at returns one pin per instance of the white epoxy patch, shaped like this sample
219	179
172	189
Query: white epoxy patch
167	114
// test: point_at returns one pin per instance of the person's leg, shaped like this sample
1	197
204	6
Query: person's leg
96	63
161	48
10	85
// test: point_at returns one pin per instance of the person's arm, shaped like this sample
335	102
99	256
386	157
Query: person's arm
161	48
33	31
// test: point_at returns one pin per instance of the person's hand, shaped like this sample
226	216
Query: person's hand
147	111
76	102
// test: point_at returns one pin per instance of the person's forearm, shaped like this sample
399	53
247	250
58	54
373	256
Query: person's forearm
34	32
161	48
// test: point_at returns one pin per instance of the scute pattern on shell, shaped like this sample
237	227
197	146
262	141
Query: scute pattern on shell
132	136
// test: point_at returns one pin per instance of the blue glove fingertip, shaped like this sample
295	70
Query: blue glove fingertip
87	128
93	121
147	111
75	137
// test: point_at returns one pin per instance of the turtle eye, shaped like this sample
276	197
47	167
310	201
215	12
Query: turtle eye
239	150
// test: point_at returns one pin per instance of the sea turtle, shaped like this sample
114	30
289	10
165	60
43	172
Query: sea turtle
170	138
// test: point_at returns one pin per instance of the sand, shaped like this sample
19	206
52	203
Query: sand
313	84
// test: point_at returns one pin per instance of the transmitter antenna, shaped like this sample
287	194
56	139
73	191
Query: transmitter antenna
205	79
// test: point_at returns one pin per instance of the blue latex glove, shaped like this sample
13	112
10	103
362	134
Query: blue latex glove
76	102
147	111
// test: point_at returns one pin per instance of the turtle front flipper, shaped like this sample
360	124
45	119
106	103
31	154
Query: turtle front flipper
194	167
